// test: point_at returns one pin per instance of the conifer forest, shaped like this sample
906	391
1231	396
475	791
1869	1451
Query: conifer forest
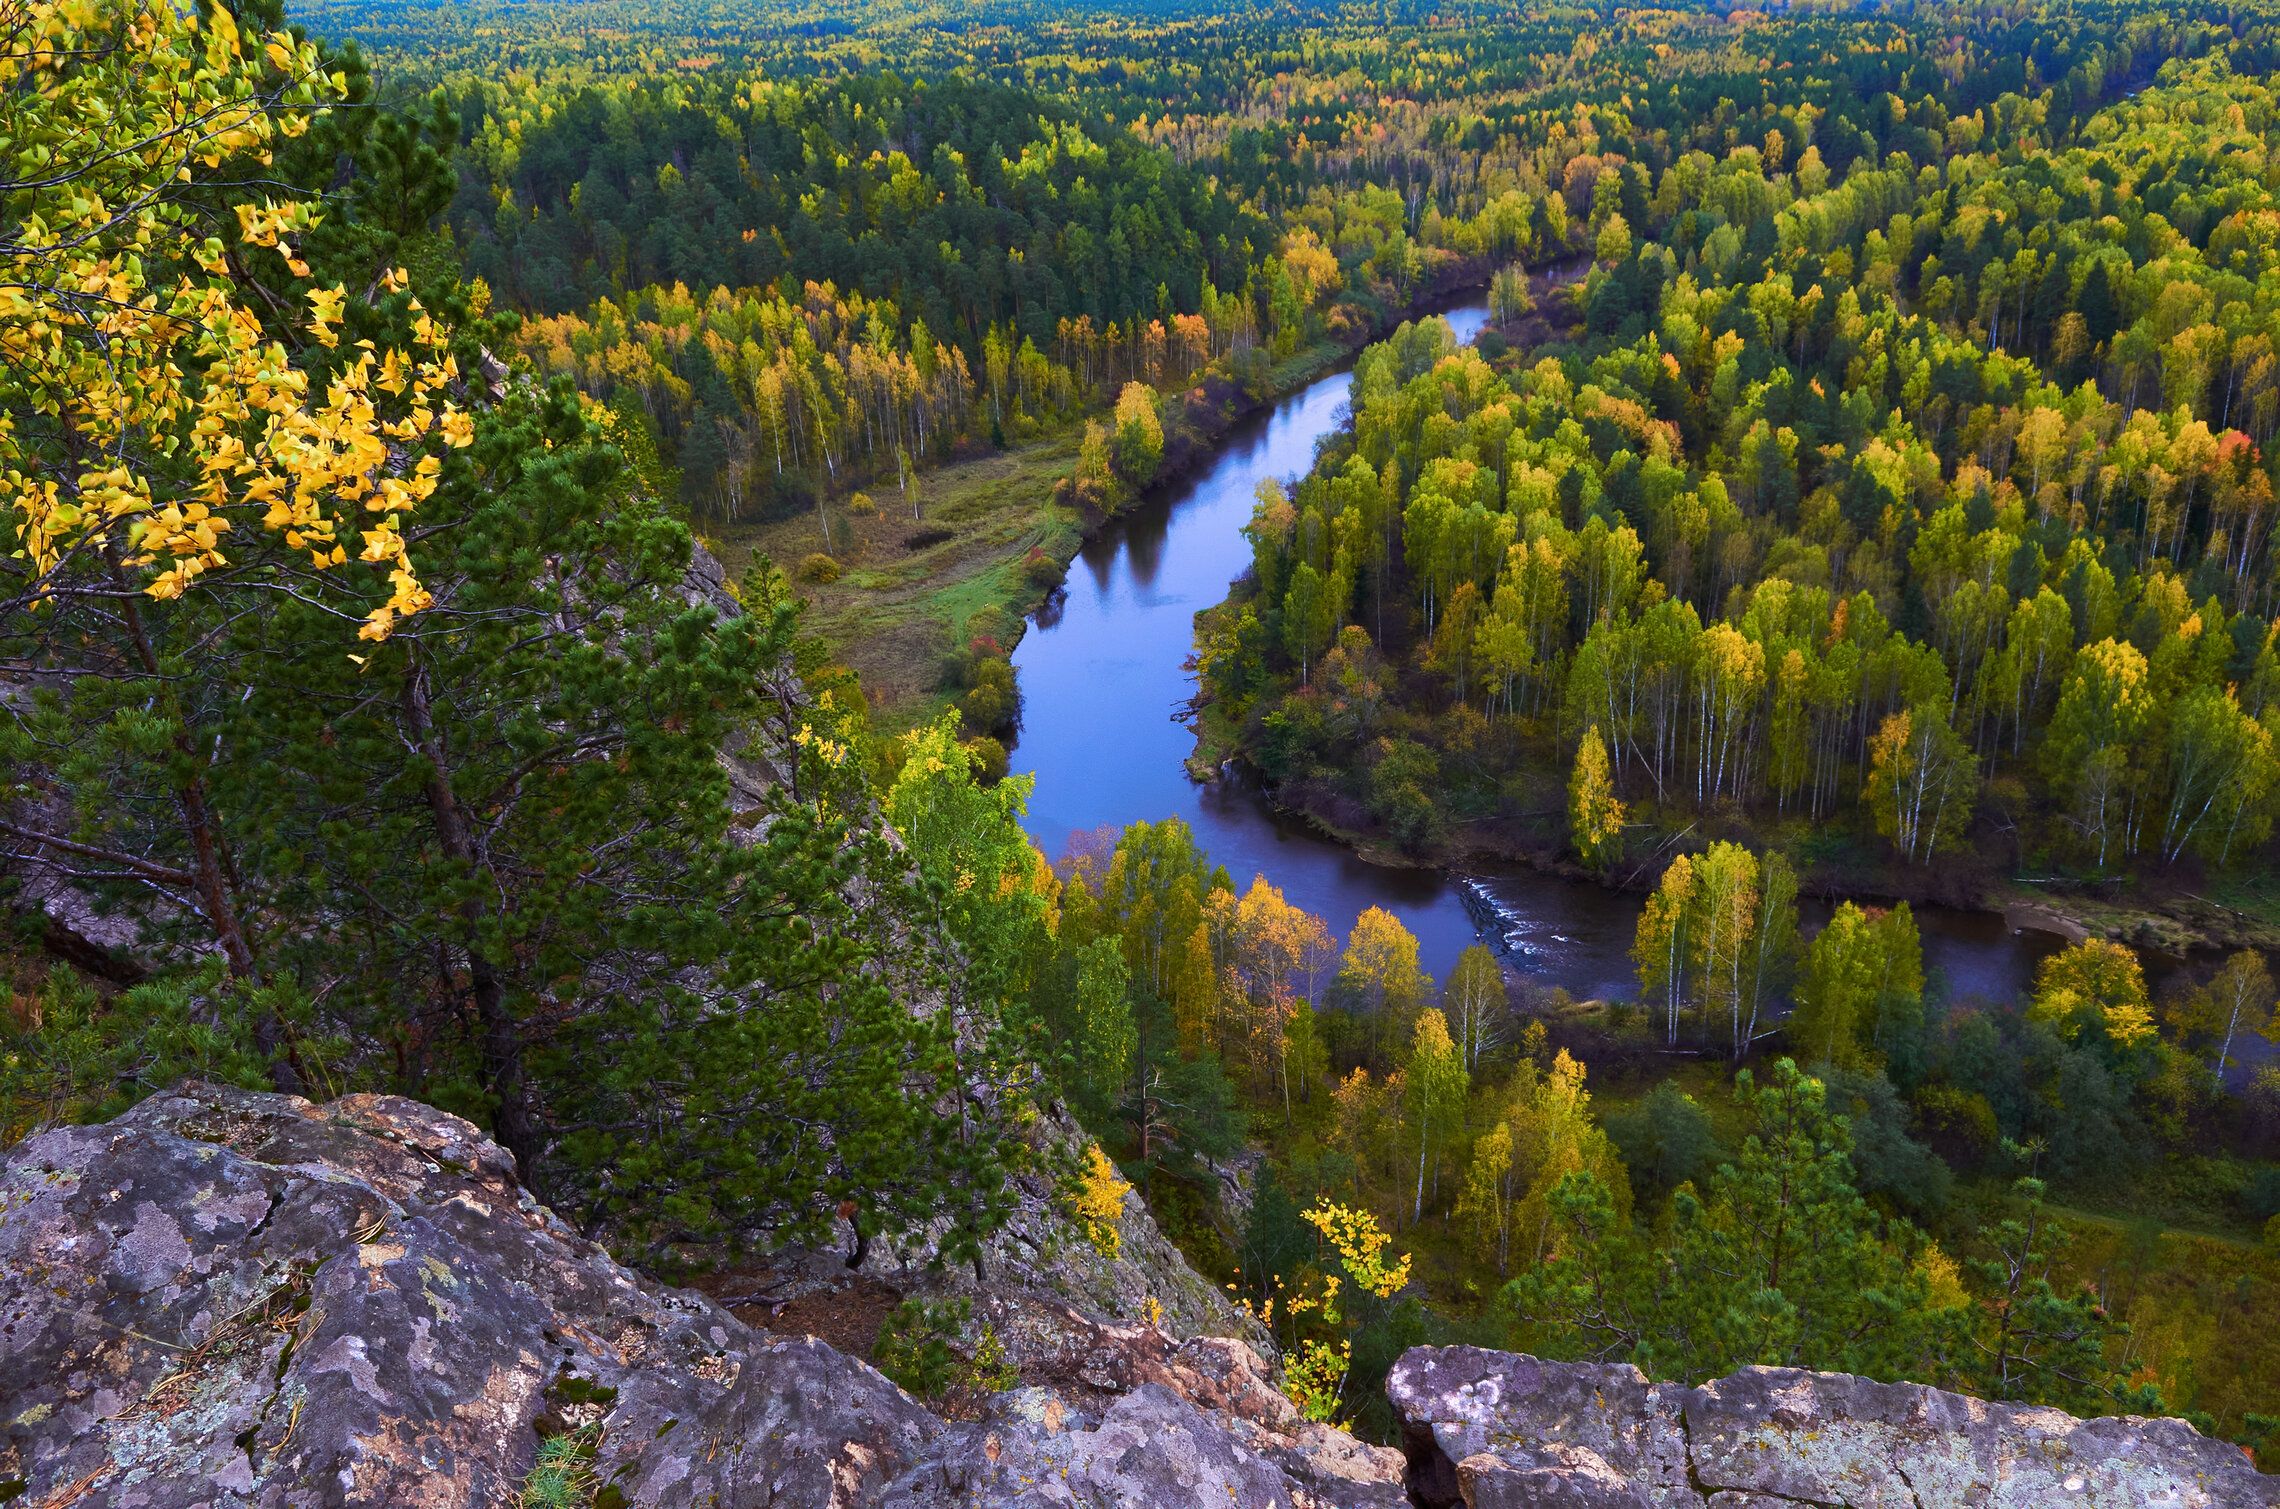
527	525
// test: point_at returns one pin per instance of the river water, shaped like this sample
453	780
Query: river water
1104	689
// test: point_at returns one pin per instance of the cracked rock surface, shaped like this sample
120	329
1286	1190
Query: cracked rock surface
1492	1430
227	1299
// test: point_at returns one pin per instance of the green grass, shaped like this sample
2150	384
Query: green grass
1297	370
896	613
562	1477
2253	892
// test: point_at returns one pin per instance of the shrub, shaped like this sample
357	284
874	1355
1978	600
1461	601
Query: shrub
1098	1201
993	624
993	702
819	568
861	504
1958	1124
787	495
1041	569
915	1350
67	1055
1139	434
991	763
2262	1195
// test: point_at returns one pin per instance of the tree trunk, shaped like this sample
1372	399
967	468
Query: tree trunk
190	800
210	884
1417	1214
500	1044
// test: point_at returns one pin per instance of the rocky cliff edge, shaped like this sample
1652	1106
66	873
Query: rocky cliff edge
225	1299
1492	1430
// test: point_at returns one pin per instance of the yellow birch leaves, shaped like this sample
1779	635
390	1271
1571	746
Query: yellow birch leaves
1595	817
1099	1201
2094	981
159	416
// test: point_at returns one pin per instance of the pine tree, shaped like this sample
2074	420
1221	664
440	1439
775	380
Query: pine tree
432	750
153	422
2028	1342
1777	1262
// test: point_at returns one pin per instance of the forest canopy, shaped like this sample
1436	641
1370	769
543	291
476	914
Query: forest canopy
1859	499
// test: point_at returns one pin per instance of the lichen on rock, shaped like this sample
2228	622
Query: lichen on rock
224	1299
232	1299
1486	1429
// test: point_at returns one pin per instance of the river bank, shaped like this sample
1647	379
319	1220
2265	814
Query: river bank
2159	916
986	543
2173	917
1110	709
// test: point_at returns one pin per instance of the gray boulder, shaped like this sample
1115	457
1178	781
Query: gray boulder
1154	1445
233	1299
1149	1447
1491	1430
226	1299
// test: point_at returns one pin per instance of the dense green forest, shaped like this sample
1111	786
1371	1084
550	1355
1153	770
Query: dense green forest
1862	488
961	204
616	166
1928	493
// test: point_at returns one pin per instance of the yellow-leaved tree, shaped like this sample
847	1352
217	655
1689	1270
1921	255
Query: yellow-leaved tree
1437	1085
151	414
1381	972
1098	1200
161	421
1488	1196
1316	1376
2239	999
1594	815
344	654
2097	983
1553	1135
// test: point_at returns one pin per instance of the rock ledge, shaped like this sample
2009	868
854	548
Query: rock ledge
225	1299
1492	1430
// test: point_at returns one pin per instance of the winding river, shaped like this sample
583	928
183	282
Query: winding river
1104	686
